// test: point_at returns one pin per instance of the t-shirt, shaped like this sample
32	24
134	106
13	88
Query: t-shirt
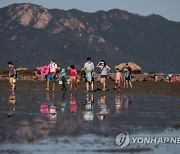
63	74
52	67
89	67
73	73
104	70
129	69
118	76
12	72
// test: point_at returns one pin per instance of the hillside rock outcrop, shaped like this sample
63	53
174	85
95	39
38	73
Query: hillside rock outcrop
136	69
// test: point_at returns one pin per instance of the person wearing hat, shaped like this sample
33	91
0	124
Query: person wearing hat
52	74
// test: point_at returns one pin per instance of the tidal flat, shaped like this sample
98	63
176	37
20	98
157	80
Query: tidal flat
33	120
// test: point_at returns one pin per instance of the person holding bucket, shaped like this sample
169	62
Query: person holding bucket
52	74
89	68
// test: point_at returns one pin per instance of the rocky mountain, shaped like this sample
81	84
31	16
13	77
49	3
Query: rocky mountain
32	35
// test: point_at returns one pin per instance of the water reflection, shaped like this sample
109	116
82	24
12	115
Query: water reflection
87	108
63	103
118	103
122	102
104	109
49	109
12	104
73	104
127	102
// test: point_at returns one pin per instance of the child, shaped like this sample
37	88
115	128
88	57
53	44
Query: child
118	79
73	75
63	76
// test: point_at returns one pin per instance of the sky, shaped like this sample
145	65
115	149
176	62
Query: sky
170	9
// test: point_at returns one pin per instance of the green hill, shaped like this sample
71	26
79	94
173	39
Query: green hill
32	35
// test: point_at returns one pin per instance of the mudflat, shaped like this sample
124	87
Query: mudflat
37	121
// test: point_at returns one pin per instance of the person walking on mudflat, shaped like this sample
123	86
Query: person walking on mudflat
89	68
128	76
52	74
104	71
12	75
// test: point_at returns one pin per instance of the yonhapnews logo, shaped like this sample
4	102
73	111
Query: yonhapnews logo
123	140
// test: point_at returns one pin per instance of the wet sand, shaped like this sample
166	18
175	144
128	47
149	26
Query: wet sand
87	122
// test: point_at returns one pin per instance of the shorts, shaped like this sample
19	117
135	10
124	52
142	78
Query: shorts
92	80
89	77
118	81
12	80
73	77
104	76
51	77
129	78
64	80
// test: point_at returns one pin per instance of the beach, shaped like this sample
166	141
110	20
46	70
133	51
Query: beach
80	122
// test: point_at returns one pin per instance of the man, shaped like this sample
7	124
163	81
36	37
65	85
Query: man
52	74
12	75
89	68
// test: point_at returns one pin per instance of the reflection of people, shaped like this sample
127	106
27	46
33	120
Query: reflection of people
127	102
104	71
12	75
12	103
63	103
118	103
48	108
89	68
73	105
52	74
88	108
104	110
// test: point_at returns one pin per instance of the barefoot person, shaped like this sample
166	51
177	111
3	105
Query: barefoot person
52	74
104	71
128	76
12	75
89	68
118	79
73	75
63	76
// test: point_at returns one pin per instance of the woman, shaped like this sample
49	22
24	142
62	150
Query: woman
104	71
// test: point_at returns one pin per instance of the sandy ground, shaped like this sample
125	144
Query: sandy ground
87	122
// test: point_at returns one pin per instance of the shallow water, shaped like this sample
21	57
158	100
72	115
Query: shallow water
36	121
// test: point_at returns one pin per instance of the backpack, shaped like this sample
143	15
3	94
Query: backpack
127	74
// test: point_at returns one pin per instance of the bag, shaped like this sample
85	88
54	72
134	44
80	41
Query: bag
89	76
127	74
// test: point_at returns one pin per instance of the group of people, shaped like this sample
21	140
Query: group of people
88	70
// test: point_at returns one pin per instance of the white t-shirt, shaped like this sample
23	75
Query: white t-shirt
52	67
104	70
89	67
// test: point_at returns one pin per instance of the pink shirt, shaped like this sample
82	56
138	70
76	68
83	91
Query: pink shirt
118	76
73	73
